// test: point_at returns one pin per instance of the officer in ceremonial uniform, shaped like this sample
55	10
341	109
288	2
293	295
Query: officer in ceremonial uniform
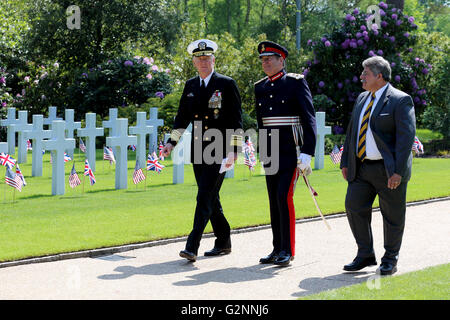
210	101
284	103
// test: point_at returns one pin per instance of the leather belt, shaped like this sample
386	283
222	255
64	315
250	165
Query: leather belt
368	161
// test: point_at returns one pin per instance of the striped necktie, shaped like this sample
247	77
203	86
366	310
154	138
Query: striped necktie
363	130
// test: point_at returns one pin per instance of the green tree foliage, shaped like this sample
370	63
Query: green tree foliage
105	29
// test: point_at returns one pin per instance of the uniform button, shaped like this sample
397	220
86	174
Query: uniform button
196	138
206	139
260	104
206	128
270	134
195	127
271	84
206	117
282	101
270	108
196	116
271	96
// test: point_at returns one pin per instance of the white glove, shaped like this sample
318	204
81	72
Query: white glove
303	164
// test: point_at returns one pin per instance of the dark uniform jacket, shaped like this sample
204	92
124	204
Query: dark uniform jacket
217	107
287	96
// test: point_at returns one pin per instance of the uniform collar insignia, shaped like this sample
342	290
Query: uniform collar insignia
277	76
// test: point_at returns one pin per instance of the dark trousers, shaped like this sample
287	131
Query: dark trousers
280	188
208	208
371	180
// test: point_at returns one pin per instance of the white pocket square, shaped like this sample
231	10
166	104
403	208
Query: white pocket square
384	114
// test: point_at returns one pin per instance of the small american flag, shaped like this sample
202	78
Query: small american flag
153	164
29	145
6	160
19	173
417	146
82	146
74	180
138	175
336	154
13	180
88	172
132	147
108	155
161	147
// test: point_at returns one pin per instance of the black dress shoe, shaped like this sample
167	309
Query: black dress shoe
217	251
387	269
283	259
360	263
188	255
270	258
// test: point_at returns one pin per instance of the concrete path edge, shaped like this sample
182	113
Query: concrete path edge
128	247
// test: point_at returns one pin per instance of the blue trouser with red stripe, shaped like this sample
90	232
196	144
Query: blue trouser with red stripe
280	187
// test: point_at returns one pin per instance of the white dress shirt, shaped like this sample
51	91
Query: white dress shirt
206	79
372	152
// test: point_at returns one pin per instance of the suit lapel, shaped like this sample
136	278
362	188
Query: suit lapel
211	84
383	100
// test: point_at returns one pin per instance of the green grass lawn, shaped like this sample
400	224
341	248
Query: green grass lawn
38	223
432	283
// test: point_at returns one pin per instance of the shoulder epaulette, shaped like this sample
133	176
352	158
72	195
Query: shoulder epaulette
295	75
261	80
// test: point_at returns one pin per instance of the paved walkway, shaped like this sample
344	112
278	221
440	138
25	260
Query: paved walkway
159	273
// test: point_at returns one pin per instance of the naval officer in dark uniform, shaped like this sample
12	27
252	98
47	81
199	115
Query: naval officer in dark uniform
211	102
284	107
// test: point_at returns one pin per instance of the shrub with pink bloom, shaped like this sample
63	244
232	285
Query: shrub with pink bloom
336	68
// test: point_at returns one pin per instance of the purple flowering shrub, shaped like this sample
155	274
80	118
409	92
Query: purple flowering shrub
336	63
119	82
30	86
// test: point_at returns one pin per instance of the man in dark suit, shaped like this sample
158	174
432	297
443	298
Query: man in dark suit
283	107
377	160
212	103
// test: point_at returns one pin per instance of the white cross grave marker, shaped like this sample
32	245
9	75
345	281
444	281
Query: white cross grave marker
121	141
21	126
37	135
57	145
181	155
3	147
322	131
112	124
11	134
71	125
141	130
51	116
90	132
155	123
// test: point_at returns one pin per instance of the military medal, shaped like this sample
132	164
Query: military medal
215	102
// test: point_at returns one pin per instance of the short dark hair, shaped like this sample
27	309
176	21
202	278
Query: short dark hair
378	65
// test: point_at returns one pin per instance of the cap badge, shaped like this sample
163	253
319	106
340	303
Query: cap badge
202	45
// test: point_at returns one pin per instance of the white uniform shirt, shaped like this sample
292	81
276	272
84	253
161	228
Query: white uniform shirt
206	79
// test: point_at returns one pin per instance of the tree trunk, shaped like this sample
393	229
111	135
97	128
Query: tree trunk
247	15
396	3
229	16
204	13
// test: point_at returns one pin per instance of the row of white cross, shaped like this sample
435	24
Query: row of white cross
59	139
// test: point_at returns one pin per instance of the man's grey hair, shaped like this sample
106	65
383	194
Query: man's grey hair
378	65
